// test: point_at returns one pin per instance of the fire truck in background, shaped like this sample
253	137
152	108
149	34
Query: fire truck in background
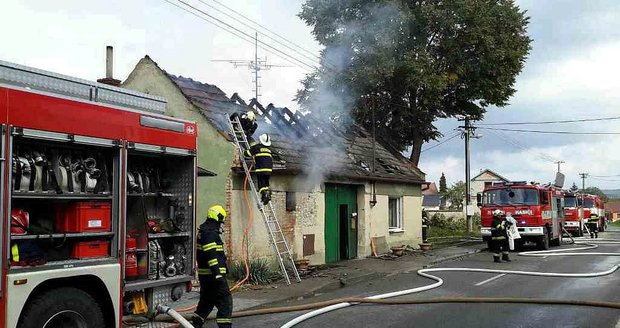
97	210
593	204
538	210
573	214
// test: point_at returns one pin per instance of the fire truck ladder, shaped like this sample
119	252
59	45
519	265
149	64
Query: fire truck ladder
276	236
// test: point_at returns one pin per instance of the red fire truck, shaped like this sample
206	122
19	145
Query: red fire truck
593	204
97	189
538	210
573	214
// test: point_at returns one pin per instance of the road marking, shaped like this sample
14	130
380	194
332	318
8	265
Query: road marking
490	279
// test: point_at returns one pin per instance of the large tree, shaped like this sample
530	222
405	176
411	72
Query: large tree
595	191
413	62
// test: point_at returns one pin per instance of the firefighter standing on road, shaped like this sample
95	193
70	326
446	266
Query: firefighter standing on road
211	258
499	237
263	165
593	225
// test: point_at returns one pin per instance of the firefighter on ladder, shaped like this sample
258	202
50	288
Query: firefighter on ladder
263	165
499	237
248	123
211	259
593	225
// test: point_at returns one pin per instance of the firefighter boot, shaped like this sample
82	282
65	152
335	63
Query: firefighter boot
197	321
496	259
505	258
265	196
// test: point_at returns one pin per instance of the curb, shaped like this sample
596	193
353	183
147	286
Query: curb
454	257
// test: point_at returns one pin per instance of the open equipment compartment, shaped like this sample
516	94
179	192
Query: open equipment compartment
160	219
62	208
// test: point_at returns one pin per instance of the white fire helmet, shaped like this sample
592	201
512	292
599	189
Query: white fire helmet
498	212
265	139
251	116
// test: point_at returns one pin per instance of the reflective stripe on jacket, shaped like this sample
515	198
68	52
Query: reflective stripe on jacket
210	252
262	158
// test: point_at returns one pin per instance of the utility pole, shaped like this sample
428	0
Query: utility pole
583	192
558	163
467	131
255	65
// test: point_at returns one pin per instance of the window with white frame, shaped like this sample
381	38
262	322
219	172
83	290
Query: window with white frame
395	209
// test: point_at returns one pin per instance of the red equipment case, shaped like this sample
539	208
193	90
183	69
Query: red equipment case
90	249
83	217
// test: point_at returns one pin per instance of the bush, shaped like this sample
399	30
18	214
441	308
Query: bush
260	272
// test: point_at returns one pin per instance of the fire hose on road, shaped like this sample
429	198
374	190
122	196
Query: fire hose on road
425	273
335	304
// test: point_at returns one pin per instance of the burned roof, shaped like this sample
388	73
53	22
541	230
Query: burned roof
306	143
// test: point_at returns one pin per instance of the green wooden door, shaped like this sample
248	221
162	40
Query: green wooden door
340	224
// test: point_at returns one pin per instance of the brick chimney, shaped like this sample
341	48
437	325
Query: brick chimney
109	68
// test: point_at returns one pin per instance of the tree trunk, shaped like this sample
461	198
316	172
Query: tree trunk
415	151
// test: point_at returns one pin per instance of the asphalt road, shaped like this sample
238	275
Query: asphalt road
460	284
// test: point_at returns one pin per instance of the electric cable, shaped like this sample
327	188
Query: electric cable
522	147
547	132
441	143
263	34
244	36
554	122
265	28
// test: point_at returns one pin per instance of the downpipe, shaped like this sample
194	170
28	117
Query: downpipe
439	282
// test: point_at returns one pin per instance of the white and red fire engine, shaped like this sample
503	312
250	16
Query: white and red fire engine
593	204
538	210
97	189
573	214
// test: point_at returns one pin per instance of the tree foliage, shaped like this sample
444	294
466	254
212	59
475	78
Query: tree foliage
413	62
443	187
455	195
595	191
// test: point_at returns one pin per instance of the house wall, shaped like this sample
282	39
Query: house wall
305	219
374	220
309	217
214	152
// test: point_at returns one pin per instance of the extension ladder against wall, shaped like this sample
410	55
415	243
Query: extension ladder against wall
276	236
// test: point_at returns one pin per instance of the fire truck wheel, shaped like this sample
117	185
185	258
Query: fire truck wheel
543	241
63	307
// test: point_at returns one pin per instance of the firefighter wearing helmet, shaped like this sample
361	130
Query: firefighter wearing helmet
499	236
263	165
212	271
248	122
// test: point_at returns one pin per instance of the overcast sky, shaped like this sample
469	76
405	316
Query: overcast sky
571	73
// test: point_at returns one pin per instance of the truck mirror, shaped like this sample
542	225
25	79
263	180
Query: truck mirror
543	198
479	199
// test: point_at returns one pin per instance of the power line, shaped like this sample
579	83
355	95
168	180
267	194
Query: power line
550	132
607	180
261	27
248	37
441	143
524	148
555	122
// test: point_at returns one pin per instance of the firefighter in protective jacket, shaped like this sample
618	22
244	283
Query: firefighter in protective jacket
263	165
499	237
593	225
212	271
248	122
